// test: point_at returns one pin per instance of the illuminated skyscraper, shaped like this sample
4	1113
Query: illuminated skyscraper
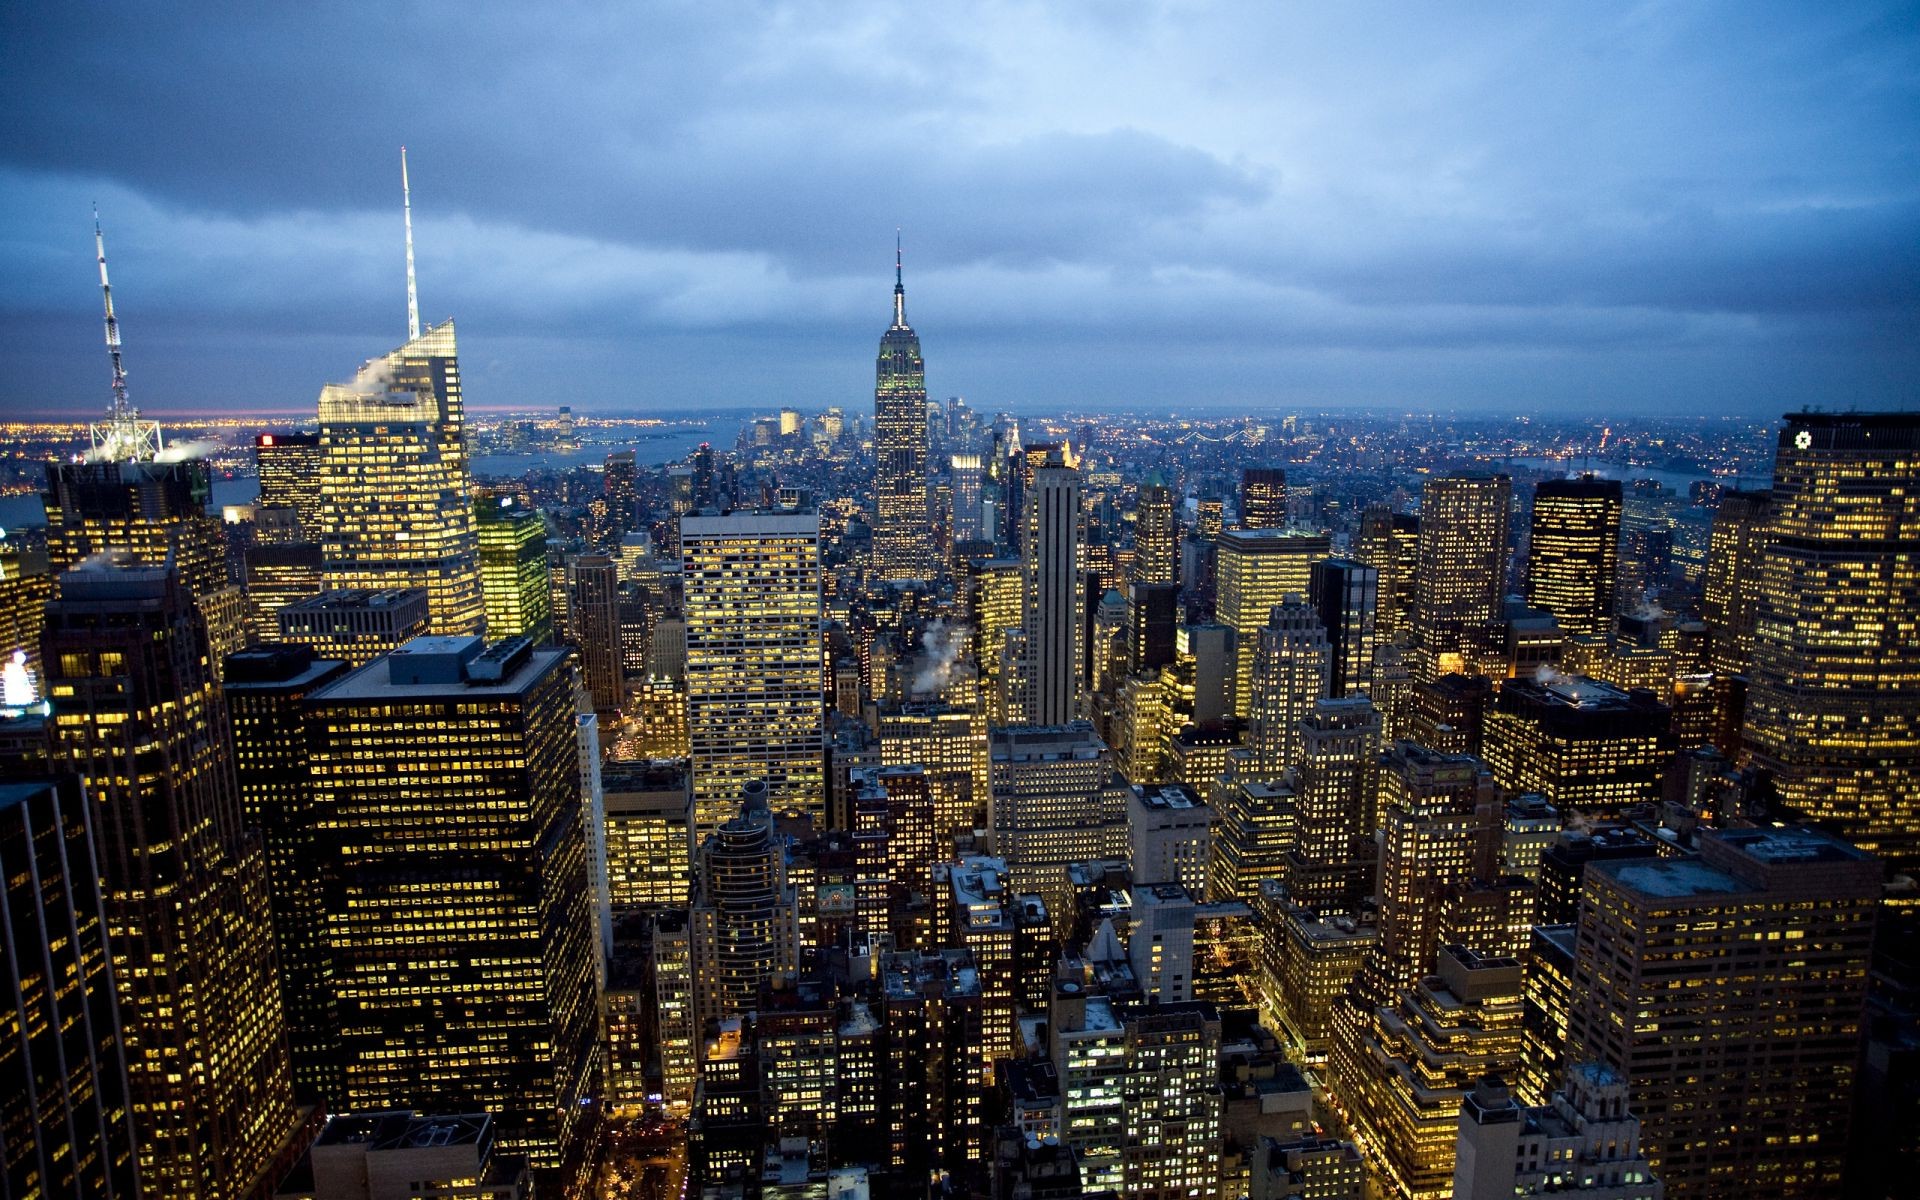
1389	542
950	743
969	475
289	466
514	587
902	530
756	683
1055	623
63	1080
1736	556
266	689
1573	554
1263	498
1156	538
355	626
1728	991
153	511
459	910
648	833
1831	706
743	924
593	609
1463	566
138	716
394	507
1291	666
1259	569
1578	743
1336	788
1440	830
1056	799
623	491
1346	594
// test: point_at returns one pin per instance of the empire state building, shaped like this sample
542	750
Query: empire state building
902	534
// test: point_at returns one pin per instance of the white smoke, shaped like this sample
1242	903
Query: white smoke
372	377
186	451
1546	675
944	644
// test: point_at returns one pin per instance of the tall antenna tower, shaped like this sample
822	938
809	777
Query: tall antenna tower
123	436
413	293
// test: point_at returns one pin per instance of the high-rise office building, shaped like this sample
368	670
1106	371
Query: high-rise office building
1462	577
1728	991
1156	536
289	465
1291	668
1336	797
622	485
1057	799
1573	552
1831	709
1171	1103
743	926
1440	830
968	472
394	506
950	744
593	610
1257	824
266	689
354	625
1389	542
514	588
1404	1067
1730	598
138	716
157	512
1258	569
756	684
902	529
1579	744
68	1130
1263	498
458	904
1169	835
1346	594
279	574
1055	622
648	833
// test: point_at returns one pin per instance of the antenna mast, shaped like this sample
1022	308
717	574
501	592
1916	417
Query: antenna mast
413	293
123	436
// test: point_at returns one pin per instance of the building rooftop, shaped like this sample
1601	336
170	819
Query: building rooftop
1671	877
447	667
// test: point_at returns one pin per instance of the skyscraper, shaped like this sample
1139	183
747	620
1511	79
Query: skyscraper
1055	623
1463	566
514	588
1330	866
969	474
1156	537
622	482
1263	498
459	911
289	463
1291	668
266	689
1346	594
1573	555
1389	542
593	608
756	684
394	507
1056	799
743	929
63	1079
1831	706
1258	569
902	531
1730	599
1439	831
1579	743
138	716
1728	991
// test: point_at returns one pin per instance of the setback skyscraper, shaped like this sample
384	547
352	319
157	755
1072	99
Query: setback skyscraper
1055	628
138	716
902	532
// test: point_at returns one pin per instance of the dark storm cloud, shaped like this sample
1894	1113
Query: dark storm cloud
1221	203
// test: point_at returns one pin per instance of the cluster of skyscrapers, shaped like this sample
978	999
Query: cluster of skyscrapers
995	821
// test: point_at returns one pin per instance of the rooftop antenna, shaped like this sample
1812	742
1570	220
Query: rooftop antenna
123	436
899	287
413	292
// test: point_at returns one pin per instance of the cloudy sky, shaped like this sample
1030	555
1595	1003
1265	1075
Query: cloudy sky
1652	207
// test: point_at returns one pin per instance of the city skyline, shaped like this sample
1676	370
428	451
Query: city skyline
1648	209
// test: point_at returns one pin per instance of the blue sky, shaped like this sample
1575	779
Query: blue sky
1631	208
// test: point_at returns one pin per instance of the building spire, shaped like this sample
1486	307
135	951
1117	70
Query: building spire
413	293
899	287
123	436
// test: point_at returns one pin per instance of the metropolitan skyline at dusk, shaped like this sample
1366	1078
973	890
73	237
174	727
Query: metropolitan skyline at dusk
1164	206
